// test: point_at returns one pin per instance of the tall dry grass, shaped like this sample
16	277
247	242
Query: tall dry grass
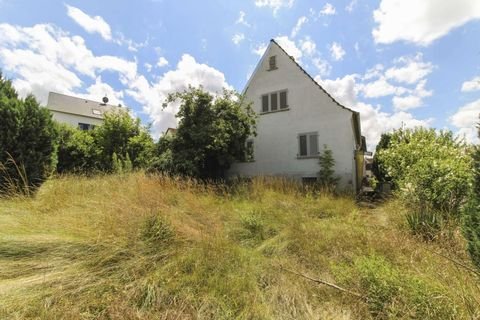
153	247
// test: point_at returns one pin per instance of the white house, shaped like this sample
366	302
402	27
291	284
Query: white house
78	112
296	118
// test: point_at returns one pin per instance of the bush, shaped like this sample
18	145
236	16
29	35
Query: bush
76	150
124	136
433	173
471	214
27	141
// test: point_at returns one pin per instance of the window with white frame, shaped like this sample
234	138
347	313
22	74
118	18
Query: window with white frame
308	145
275	101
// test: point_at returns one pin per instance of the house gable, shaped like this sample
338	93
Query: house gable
296	118
284	60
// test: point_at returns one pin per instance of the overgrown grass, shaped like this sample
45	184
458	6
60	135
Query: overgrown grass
151	247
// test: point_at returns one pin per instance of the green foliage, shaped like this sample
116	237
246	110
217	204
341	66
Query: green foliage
471	214
392	294
326	176
378	168
432	170
76	151
27	135
425	222
471	226
124	136
211	134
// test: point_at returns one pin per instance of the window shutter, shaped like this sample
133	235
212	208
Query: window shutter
302	140
313	144
265	103
273	101
283	100
272	62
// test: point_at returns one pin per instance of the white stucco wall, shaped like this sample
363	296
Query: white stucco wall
74	119
310	110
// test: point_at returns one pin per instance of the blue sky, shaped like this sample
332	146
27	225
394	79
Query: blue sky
397	62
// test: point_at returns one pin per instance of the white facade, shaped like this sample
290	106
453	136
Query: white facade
311	110
78	112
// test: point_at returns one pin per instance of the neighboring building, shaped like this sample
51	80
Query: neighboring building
78	112
296	118
170	132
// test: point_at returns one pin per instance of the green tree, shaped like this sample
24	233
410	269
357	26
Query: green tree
211	134
27	140
123	135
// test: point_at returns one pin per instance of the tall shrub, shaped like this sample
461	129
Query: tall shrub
326	176
77	152
27	141
431	168
472	213
124	136
211	134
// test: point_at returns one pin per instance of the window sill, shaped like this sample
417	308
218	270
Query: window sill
307	157
272	69
279	110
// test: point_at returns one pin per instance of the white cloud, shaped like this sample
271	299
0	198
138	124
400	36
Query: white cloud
343	89
162	62
466	120
241	19
259	49
374	121
409	69
237	38
421	22
100	89
45	58
148	66
471	85
324	68
328	10
275	5
37	74
336	51
188	72
308	46
90	24
380	88
351	6
290	47
300	22
407	102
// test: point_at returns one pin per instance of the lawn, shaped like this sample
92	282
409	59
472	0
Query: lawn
149	247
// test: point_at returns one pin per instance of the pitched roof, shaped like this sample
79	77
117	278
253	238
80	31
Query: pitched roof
355	114
78	106
311	78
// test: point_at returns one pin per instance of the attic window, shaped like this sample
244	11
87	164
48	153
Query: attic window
274	101
97	112
272	63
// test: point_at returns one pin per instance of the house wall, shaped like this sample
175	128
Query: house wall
73	119
310	110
